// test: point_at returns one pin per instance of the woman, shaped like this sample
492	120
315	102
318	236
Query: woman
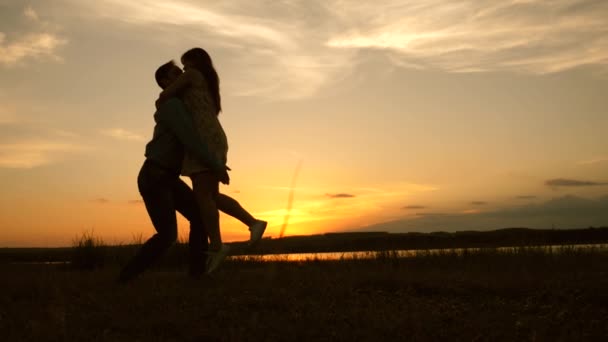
198	87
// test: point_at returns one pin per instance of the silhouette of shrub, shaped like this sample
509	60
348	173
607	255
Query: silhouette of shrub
88	253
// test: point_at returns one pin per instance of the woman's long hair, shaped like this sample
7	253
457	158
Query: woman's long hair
202	62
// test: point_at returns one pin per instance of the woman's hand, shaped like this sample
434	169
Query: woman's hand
223	176
159	102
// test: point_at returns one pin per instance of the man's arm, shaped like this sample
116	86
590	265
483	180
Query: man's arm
174	115
183	81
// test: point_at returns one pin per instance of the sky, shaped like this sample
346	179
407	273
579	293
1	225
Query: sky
390	115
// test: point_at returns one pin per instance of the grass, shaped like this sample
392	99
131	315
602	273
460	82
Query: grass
88	252
519	294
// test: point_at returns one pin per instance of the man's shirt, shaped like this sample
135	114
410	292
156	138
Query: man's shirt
173	133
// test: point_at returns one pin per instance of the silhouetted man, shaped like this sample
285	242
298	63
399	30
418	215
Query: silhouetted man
164	193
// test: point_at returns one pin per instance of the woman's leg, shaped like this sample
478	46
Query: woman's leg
206	189
231	207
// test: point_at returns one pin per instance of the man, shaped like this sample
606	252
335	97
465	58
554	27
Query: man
164	192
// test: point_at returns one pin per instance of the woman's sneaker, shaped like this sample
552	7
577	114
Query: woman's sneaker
216	258
256	231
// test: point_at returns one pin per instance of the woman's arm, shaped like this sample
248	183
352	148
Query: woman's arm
175	116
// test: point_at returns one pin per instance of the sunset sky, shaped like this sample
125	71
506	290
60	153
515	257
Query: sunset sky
405	115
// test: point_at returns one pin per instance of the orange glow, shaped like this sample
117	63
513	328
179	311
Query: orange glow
123	221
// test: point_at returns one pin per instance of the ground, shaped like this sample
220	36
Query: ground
479	296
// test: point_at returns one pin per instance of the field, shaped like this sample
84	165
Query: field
523	294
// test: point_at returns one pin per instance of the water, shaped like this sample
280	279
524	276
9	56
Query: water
363	255
41	263
407	253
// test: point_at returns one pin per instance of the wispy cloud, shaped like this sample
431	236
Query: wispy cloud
30	13
525	197
279	51
433	215
100	200
31	45
562	212
135	201
563	182
292	49
397	189
534	36
340	195
374	202
408	207
37	42
122	134
30	154
26	143
187	14
478	203
288	50
593	161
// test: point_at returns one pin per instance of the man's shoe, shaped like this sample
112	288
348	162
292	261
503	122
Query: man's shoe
215	259
256	231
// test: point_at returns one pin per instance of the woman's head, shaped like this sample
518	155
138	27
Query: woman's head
200	60
197	58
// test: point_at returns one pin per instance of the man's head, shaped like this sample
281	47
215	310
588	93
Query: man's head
167	74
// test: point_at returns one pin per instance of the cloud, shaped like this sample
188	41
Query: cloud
27	155
31	45
122	134
414	206
136	201
277	47
473	36
562	212
562	182
340	195
30	13
525	197
296	49
100	200
291	50
478	203
187	14
36	42
433	215
593	161
26	145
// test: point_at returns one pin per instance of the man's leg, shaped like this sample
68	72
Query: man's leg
185	204
155	186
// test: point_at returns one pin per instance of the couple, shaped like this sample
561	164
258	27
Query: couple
188	139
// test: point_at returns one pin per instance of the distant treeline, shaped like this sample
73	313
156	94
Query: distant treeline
378	241
344	242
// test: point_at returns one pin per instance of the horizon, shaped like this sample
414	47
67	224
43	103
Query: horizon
403	117
100	242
